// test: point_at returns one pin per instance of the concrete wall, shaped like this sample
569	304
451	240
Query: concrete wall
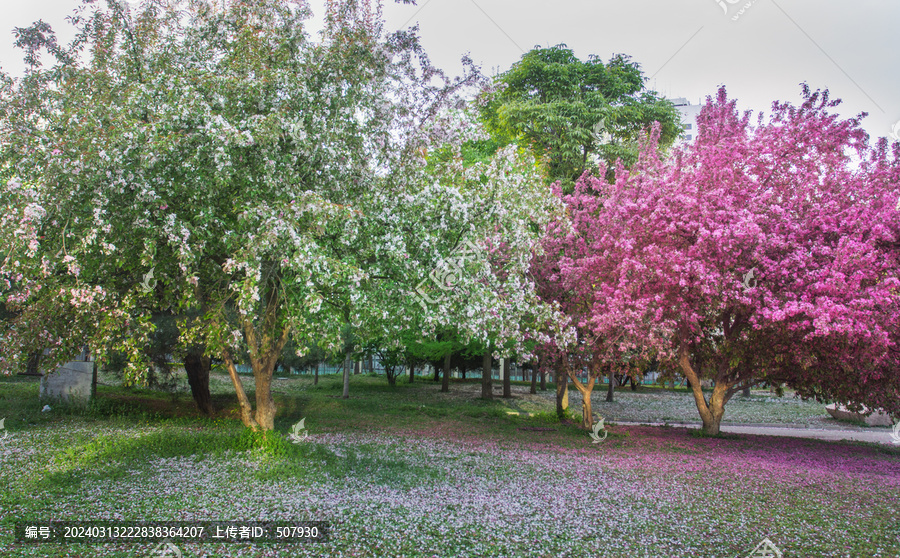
72	382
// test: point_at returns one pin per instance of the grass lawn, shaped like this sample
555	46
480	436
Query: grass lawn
408	471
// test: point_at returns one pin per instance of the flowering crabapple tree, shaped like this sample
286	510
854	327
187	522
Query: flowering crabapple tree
567	273
764	253
275	187
473	285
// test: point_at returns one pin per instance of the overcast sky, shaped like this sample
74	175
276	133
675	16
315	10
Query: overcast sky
686	48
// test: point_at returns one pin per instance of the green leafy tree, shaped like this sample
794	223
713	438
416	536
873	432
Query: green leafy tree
574	114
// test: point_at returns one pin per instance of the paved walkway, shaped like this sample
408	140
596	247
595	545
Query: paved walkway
875	434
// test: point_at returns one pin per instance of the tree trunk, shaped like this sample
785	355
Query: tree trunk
463	369
437	373
265	346
587	417
507	385
265	404
543	381
243	401
32	365
445	383
346	394
197	367
412	372
486	385
612	387
534	375
562	394
711	412
746	391
316	378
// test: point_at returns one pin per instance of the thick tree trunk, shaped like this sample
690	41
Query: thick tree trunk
587	417
437	373
711	412
445	382
562	394
534	375
243	401
463	371
543	381
507	385
265	404
585	389
197	367
486	385
412	372
265	348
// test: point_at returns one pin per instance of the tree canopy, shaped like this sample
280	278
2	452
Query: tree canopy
274	187
574	114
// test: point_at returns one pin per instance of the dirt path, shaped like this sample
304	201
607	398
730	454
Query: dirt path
829	429
873	435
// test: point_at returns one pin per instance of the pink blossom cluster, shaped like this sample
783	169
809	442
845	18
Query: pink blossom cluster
765	252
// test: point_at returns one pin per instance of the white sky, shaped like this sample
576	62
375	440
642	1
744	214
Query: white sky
687	48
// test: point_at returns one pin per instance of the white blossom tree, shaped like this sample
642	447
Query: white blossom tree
211	160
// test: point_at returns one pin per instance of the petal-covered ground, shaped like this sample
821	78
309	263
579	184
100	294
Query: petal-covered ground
453	490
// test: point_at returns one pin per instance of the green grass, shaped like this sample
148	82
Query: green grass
409	471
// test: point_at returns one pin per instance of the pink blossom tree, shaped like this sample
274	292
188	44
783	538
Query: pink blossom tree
567	274
754	254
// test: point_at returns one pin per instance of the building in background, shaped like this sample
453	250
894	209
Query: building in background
689	114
